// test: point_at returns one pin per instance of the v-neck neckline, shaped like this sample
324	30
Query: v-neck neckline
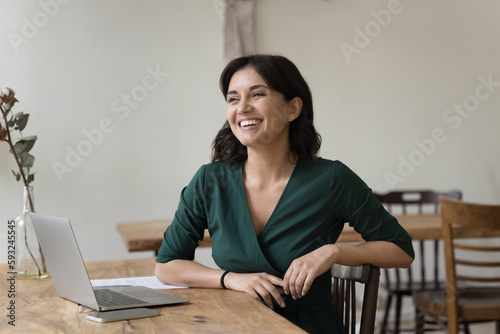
276	208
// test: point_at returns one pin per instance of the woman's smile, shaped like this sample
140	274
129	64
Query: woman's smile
249	124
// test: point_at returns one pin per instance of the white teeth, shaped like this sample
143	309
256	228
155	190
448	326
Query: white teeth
248	123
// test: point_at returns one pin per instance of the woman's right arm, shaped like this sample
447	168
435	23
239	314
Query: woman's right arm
195	275
188	273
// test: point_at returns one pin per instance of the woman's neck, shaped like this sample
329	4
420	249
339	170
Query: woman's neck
269	166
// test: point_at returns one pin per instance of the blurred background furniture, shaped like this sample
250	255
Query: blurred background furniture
148	235
344	295
424	273
474	299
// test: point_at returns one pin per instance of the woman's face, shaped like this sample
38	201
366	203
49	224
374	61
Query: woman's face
259	116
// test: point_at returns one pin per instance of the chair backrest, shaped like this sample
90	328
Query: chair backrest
416	201
344	295
461	219
418	198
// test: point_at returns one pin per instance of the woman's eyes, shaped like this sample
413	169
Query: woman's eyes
254	94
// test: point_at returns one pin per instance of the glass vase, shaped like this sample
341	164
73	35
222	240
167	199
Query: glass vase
29	259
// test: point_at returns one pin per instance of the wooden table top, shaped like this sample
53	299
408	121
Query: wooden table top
148	235
40	310
419	227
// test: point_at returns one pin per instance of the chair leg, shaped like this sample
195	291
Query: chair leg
383	328
497	329
399	300
419	321
466	327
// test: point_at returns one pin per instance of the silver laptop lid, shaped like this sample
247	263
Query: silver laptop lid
64	259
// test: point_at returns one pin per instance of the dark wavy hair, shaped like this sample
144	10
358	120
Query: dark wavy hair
282	76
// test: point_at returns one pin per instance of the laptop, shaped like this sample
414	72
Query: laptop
70	276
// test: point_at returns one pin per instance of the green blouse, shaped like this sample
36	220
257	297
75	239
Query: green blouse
319	198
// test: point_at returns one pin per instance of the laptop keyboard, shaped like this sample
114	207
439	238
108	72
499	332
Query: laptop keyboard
106	297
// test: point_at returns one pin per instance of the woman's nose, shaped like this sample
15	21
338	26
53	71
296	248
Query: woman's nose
244	106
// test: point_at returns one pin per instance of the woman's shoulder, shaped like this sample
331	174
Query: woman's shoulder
334	170
323	163
221	167
214	175
218	170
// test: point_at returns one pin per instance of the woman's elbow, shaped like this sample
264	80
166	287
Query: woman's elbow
161	272
406	261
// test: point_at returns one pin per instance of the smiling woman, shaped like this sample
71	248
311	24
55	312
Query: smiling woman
278	76
269	203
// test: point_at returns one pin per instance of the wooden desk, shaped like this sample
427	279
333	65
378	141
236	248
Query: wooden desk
419	227
146	236
40	310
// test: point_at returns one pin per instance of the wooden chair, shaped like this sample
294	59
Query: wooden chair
344	295
467	302
403	282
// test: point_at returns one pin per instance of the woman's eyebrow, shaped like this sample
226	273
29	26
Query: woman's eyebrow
254	87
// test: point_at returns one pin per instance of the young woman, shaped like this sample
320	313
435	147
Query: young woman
274	209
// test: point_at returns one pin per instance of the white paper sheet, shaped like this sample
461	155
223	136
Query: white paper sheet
147	281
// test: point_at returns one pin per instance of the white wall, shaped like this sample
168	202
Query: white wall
74	72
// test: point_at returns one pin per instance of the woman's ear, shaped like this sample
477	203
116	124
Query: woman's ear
295	108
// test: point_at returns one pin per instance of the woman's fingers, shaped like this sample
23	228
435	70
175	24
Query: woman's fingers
261	286
295	280
289	281
265	293
307	284
270	284
304	270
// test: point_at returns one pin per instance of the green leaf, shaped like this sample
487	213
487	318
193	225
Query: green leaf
11	123
19	147
31	178
22	121
17	175
27	160
28	142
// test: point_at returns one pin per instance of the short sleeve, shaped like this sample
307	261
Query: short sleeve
357	205
187	229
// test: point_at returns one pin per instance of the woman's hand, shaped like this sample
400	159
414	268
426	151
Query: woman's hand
260	286
304	270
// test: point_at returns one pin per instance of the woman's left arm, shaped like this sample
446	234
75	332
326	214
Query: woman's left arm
304	270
